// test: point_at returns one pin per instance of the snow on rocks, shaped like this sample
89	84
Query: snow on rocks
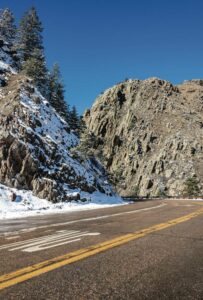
36	142
4	67
26	204
35	152
5	71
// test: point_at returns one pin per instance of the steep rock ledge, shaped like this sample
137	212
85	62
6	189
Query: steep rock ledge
151	135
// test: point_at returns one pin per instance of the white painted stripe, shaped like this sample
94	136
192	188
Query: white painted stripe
19	231
11	233
40	248
88	219
12	237
48	240
63	241
107	216
30	240
28	229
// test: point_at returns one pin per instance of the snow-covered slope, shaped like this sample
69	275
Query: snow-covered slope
35	146
26	204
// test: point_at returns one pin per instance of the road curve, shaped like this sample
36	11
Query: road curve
147	250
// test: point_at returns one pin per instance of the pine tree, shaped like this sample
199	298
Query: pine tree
74	119
87	143
35	68
192	187
7	26
30	35
56	93
31	50
82	126
8	38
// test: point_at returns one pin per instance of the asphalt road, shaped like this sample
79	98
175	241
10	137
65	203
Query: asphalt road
147	250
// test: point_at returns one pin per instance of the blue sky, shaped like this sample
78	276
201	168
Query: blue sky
99	43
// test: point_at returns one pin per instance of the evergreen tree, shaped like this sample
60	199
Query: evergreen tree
87	143
74	119
30	35
7	26
35	67
82	125
192	187
56	93
31	50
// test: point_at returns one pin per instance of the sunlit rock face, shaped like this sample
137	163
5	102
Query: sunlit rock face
151	135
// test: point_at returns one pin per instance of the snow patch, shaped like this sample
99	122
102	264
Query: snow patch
26	204
4	67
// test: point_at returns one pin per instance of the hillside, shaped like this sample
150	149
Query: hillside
35	144
150	133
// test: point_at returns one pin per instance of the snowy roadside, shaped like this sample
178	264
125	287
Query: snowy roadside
27	205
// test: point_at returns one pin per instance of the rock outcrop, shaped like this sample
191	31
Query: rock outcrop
151	135
35	144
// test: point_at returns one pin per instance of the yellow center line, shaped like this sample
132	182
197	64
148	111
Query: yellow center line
26	273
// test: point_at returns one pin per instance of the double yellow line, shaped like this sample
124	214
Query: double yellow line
24	274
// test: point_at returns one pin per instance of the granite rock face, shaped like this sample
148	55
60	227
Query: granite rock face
150	133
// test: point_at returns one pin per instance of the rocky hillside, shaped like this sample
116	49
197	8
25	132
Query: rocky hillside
35	143
150	133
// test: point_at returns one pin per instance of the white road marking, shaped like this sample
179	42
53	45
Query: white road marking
41	247
186	205
105	216
12	237
194	200
49	241
63	242
85	220
10	233
32	240
28	229
16	221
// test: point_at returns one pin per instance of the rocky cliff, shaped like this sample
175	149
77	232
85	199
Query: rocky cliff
35	143
150	133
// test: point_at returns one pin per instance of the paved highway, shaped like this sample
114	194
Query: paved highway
147	250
